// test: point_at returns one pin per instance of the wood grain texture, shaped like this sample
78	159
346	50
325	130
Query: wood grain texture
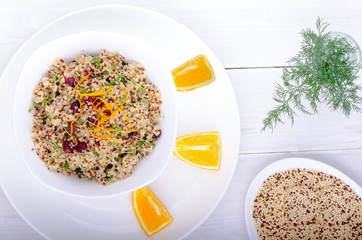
243	34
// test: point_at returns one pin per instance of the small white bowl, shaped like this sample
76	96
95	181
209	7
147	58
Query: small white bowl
283	165
150	167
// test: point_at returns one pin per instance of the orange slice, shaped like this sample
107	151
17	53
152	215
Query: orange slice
195	73
200	149
150	212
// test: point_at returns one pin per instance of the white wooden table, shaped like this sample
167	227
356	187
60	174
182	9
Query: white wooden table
252	39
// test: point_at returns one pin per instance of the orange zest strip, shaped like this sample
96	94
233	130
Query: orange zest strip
129	130
95	93
80	82
123	131
110	91
71	124
102	121
125	114
106	138
124	92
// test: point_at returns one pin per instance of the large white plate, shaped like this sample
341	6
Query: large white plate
283	165
189	193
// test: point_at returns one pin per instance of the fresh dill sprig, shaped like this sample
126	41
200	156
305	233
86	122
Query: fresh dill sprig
324	70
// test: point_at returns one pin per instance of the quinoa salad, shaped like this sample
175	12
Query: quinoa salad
95	117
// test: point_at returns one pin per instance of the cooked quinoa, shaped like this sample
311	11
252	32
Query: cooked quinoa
95	117
307	204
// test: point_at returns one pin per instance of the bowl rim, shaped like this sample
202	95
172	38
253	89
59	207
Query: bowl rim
107	193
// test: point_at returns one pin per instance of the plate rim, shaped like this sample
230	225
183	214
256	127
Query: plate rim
236	138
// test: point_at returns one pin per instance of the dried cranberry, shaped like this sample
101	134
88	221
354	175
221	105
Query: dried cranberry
107	113
90	120
98	104
108	79
75	107
66	147
157	136
88	100
70	81
81	146
132	134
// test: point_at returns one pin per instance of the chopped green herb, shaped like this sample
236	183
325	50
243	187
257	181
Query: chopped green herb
97	63
80	121
116	158
117	128
83	154
120	77
39	104
129	150
110	178
141	89
30	109
113	82
47	97
48	116
54	77
108	84
106	72
58	147
67	129
66	166
109	166
79	170
83	91
56	69
96	60
96	154
110	144
100	85
133	114
134	82
141	144
124	97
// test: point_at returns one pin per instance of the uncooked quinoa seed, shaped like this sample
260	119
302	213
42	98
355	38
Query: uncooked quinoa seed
95	117
307	204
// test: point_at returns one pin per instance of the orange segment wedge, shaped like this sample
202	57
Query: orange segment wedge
195	73
150	212
200	149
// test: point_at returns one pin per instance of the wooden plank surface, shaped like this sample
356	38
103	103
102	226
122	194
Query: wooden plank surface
243	34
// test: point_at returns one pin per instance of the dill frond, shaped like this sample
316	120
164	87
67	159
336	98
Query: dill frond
322	71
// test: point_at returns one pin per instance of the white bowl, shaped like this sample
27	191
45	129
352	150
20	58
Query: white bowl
150	167
283	165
